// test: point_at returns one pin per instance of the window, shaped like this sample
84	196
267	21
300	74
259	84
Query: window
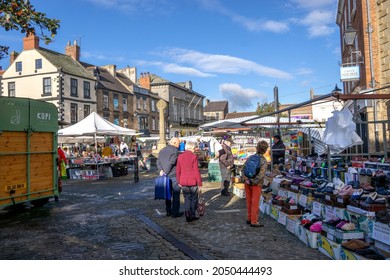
87	90
38	63
105	101
73	113
116	120
153	123
145	107
138	102
73	87
18	66
153	105
87	110
11	89
116	102
124	104
46	86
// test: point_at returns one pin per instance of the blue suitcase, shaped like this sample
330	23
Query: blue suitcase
162	188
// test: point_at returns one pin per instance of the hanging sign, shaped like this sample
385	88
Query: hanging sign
350	73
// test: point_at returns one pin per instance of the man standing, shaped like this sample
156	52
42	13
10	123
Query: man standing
278	151
226	163
166	163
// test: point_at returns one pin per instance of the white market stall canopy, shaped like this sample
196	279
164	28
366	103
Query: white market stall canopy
95	125
308	127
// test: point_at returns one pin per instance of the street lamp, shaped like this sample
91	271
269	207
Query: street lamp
350	35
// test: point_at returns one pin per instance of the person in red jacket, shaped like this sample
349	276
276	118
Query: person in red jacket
188	178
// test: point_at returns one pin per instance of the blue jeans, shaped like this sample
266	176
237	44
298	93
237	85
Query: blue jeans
190	200
172	205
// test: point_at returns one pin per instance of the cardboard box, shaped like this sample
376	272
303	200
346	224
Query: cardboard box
328	247
381	232
349	255
383	247
239	191
362	221
282	219
292	225
264	207
318	209
308	237
274	212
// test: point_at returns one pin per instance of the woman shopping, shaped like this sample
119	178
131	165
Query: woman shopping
189	179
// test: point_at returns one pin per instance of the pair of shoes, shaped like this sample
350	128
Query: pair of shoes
257	225
348	226
357	194
382	191
190	219
371	198
177	215
168	214
248	222
355	244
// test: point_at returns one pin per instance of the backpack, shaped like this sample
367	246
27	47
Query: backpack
252	166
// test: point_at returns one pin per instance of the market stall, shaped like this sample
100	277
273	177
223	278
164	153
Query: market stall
94	166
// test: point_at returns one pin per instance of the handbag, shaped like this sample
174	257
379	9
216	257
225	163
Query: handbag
162	188
201	204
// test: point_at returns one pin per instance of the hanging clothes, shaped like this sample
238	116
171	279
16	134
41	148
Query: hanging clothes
340	132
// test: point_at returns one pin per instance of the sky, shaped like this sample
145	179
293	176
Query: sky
230	50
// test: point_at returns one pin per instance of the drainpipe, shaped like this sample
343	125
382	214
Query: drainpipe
372	82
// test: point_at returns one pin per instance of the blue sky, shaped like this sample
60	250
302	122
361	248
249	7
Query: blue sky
230	50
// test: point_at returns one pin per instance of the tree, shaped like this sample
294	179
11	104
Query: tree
20	15
265	108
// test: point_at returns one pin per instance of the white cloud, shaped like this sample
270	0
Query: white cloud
314	4
248	23
222	64
189	71
319	23
261	25
241	99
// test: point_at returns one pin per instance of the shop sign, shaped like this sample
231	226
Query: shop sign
350	73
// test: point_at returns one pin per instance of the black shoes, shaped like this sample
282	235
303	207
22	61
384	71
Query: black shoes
177	215
190	219
225	193
168	214
257	225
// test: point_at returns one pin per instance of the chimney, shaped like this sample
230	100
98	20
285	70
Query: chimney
111	69
30	42
13	57
73	51
311	93
207	101
131	72
145	80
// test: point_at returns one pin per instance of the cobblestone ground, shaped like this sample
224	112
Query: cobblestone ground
118	219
